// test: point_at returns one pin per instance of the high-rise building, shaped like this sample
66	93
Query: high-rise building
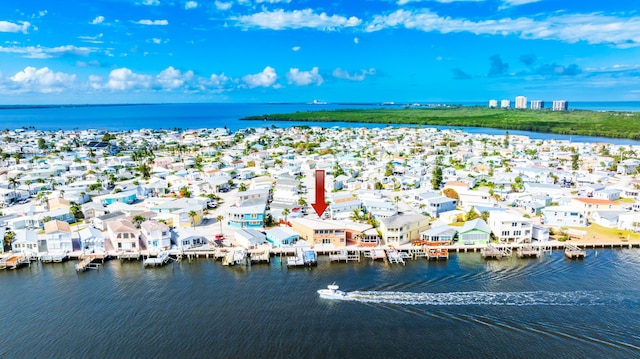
493	103
537	104
521	102
505	104
560	105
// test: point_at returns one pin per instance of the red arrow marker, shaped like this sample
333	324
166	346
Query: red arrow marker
319	206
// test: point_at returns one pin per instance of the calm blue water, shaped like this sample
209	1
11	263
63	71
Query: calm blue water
168	116
467	307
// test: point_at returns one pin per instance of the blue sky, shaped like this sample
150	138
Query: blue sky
116	51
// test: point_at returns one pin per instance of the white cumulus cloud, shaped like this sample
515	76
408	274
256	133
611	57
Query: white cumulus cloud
221	5
296	19
190	5
151	2
304	78
123	79
22	26
273	1
97	20
38	52
593	28
296	48
42	80
356	76
153	22
266	78
218	81
170	78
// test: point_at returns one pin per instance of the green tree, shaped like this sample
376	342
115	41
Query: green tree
436	174
242	187
286	212
9	236
575	161
138	219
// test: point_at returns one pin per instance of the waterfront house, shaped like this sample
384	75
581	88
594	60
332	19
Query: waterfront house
187	238
25	241
402	229
92	240
155	235
475	232
123	235
282	236
441	235
507	227
58	237
249	238
320	233
560	216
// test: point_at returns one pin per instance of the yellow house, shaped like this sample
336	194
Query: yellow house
320	233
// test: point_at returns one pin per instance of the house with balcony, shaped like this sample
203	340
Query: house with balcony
508	227
587	206
402	229
156	235
58	237
320	233
249	215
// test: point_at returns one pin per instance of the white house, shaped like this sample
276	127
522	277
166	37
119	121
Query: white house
508	227
155	235
58	237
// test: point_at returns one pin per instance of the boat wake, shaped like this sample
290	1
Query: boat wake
579	298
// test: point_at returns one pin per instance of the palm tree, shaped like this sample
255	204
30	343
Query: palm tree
396	199
193	215
13	182
286	212
138	219
219	218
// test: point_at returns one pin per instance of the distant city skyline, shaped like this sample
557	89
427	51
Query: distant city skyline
405	51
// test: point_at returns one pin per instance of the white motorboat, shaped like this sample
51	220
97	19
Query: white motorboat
333	292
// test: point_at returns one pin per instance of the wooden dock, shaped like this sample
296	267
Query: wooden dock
53	258
14	262
89	262
129	255
572	251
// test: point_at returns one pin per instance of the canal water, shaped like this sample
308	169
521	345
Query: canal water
466	307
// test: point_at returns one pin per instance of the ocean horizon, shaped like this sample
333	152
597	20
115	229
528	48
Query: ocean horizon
125	117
